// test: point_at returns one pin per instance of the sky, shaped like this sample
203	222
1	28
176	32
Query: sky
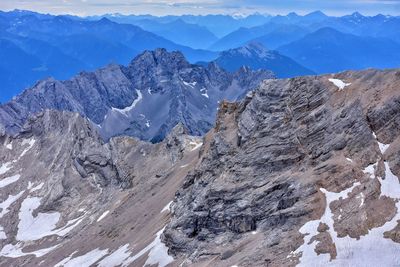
179	7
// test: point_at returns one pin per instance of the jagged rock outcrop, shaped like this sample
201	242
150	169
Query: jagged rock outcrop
69	199
302	171
146	99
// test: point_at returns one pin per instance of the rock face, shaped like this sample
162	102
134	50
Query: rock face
302	172
146	99
68	199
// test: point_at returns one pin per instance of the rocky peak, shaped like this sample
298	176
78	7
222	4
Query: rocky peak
251	50
147	99
281	160
60	123
160	58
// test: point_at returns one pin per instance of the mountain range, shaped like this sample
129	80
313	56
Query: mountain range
302	171
43	41
143	150
328	50
46	41
145	99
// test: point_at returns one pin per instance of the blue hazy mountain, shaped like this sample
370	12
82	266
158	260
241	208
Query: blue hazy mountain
178	30
271	35
60	46
256	56
219	25
281	29
328	50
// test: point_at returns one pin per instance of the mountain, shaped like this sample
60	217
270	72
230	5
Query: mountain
219	25
178	31
303	171
280	30
380	26
63	190
256	56
284	34
77	43
328	50
270	34
146	99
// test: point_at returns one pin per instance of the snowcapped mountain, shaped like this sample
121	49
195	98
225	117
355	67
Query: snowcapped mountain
146	99
256	56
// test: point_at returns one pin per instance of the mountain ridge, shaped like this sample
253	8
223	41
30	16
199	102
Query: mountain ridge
162	88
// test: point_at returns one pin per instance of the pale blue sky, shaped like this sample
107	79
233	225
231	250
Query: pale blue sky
177	7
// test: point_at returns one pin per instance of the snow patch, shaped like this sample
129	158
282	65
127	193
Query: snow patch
195	145
167	207
383	147
5	205
9	146
349	160
369	250
15	251
9	180
362	199
370	169
191	84
126	110
103	215
5	167
2	233
339	83
43	224
116	258
36	188
158	253
30	143
390	187
85	260
204	92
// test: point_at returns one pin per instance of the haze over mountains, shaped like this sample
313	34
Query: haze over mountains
42	42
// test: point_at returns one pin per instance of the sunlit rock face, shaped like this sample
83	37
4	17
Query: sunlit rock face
303	172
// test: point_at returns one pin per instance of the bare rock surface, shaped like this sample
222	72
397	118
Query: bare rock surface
304	172
69	199
145	99
301	172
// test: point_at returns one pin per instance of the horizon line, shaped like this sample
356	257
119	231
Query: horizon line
235	15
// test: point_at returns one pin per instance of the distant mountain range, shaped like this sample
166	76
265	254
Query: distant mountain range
60	46
328	50
280	30
219	25
35	46
178	31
